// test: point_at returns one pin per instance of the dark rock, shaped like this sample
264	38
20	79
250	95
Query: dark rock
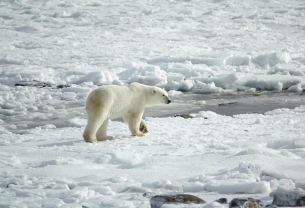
33	83
237	202
159	200
289	197
270	206
300	202
184	116
63	86
147	194
71	186
245	203
252	203
225	104
39	84
257	94
222	201
84	206
12	184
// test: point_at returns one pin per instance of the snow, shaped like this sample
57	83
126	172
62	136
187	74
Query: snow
174	93
191	49
178	155
245	188
97	77
271	59
76	122
295	88
206	88
82	41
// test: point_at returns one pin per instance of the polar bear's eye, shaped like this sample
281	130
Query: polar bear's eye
163	95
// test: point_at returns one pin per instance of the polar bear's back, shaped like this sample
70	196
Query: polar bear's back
116	100
115	92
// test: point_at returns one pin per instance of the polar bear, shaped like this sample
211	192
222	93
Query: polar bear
112	101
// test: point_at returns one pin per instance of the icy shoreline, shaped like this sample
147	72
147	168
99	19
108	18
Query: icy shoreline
228	104
220	103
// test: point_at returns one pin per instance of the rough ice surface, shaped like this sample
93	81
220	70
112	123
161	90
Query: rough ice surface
188	48
54	165
85	41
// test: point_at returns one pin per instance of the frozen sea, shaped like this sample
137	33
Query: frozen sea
236	66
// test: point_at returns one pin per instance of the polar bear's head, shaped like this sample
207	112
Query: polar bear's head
158	96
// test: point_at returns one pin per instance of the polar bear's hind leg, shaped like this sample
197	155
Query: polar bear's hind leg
94	123
97	115
101	134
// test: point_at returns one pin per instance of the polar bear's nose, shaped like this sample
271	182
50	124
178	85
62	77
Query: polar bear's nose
169	101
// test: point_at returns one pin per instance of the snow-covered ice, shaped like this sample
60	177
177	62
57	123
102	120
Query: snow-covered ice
198	156
155	43
203	52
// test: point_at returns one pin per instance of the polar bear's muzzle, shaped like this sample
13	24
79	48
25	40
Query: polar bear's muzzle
169	101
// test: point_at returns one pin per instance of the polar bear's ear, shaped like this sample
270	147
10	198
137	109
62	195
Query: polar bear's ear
153	91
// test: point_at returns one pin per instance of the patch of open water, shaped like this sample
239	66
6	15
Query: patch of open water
223	104
228	104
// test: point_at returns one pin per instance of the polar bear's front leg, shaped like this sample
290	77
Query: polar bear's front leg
134	121
101	134
143	128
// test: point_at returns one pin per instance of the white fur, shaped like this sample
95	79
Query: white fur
112	101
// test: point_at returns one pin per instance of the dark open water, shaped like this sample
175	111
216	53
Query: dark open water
228	104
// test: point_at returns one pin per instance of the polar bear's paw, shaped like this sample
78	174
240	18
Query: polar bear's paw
88	138
104	138
90	141
139	134
143	128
